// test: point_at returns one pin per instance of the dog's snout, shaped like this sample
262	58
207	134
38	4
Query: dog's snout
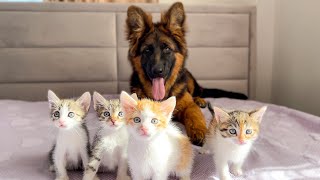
158	70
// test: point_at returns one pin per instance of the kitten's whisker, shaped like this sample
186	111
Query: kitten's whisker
76	130
90	129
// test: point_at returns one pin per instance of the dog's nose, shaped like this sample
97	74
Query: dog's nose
158	70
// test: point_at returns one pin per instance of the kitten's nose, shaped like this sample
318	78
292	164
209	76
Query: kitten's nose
241	141
144	129
61	121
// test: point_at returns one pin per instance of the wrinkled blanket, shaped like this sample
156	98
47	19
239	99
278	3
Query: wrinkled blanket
288	146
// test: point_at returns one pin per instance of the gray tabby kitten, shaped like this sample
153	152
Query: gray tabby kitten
109	149
72	142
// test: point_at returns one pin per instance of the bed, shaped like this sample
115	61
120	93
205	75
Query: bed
71	48
288	146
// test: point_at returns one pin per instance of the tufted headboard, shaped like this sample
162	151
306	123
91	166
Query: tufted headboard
76	47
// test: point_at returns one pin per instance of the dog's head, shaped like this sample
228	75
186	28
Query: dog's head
157	50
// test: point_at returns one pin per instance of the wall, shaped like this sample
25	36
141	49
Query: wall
288	52
265	49
296	72
265	41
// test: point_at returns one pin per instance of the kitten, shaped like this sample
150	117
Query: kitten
109	148
72	142
230	137
156	147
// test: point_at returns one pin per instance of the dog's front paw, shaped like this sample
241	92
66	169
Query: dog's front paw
197	135
200	102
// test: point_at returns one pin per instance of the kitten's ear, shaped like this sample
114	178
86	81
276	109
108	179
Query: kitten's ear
98	100
174	19
135	97
257	114
168	106
53	99
137	22
220	115
85	101
128	104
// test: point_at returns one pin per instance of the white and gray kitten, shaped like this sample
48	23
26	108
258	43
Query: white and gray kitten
109	149
71	148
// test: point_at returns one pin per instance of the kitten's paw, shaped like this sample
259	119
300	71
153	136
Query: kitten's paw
236	171
125	177
203	151
51	168
62	178
225	177
200	102
96	178
186	178
90	177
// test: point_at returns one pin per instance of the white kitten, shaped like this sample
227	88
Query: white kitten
72	143
230	137
109	149
156	147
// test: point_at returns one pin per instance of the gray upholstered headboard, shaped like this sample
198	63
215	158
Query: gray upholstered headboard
71	48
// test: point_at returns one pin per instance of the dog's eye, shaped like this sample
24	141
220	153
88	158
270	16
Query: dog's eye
167	49
147	51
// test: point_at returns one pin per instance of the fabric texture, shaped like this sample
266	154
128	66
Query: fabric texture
288	146
50	43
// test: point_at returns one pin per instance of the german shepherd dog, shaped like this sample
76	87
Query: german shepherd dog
157	53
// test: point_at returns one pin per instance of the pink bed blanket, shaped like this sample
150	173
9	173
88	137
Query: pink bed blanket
287	148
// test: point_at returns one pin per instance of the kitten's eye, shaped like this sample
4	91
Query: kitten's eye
71	115
154	121
232	131
120	114
56	114
137	120
106	114
248	131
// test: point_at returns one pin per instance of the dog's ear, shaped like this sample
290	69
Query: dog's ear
138	22
174	19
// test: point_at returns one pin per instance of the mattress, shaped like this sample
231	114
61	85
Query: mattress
288	146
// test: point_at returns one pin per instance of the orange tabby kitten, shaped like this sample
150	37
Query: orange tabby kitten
156	147
230	137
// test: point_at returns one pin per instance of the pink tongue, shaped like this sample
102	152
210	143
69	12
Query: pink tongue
158	89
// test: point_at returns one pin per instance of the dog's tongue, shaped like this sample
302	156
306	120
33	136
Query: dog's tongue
158	89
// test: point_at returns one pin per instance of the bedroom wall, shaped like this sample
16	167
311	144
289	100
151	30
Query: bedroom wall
265	41
288	52
296	72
